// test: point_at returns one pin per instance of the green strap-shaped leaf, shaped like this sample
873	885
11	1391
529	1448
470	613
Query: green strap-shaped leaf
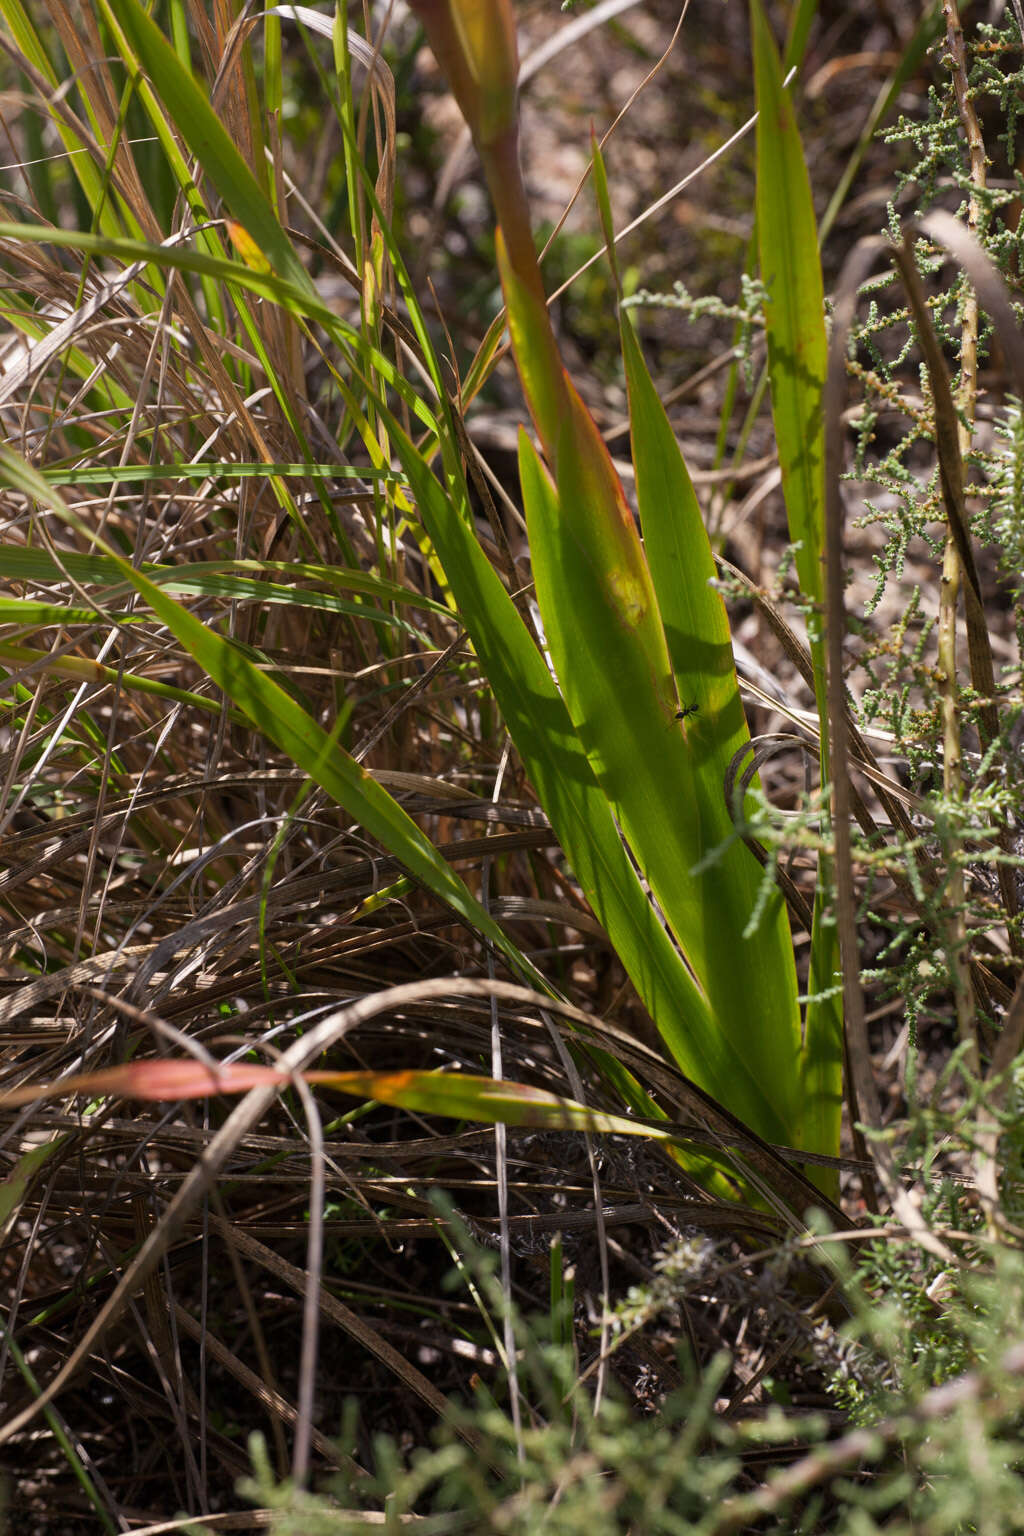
699	641
210	578
640	755
558	768
696	629
795	307
797	364
606	637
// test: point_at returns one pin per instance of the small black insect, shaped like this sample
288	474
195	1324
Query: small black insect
686	711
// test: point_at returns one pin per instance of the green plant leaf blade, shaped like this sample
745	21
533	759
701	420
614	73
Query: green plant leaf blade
795	307
700	646
797	366
622	703
555	761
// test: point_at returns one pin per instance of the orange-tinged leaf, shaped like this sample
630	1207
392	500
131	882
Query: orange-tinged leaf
463	1096
246	246
487	31
543	377
459	1095
153	1081
475	44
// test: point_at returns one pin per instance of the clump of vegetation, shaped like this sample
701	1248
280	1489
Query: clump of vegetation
319	780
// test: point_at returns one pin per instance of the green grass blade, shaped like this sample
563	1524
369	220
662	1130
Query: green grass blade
17	1181
462	1096
62	1438
801	16
220	469
31	614
821	1067
215	578
683	570
35	615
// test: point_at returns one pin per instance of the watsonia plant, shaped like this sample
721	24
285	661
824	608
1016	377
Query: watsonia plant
630	750
638	636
